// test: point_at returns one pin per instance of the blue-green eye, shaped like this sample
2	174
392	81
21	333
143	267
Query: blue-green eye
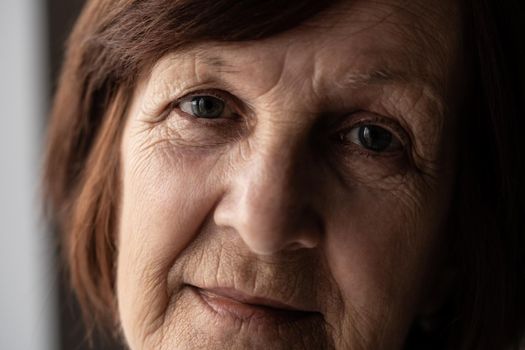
373	138
205	106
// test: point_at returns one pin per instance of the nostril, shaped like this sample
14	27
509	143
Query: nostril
266	229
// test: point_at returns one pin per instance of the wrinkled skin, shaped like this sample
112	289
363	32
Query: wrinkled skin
276	198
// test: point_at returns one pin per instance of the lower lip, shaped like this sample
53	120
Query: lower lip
235	309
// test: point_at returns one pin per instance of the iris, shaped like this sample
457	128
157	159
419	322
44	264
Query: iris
374	138
208	107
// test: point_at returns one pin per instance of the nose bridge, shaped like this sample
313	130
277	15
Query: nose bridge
270	208
273	183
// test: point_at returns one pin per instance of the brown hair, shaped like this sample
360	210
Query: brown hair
114	40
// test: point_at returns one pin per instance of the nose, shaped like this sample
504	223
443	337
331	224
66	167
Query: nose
269	200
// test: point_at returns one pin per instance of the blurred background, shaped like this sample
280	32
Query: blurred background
37	311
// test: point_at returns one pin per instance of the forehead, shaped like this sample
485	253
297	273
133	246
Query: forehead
349	46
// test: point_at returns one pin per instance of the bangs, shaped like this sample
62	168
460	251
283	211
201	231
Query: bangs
137	33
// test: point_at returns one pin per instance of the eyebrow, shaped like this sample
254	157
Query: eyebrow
216	62
352	79
378	76
375	77
389	77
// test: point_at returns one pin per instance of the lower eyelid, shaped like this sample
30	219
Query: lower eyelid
354	152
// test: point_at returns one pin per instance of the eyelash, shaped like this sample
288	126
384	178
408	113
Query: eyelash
398	133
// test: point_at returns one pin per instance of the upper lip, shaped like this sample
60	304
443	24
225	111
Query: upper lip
241	297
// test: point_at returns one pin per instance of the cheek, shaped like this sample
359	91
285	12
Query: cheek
380	255
165	198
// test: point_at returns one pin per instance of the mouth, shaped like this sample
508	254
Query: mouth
238	305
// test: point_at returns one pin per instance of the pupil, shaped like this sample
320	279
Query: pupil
207	107
375	138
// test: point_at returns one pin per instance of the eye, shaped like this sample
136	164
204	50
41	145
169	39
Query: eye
204	106
373	138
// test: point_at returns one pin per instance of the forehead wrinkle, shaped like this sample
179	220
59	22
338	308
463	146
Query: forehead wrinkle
214	61
422	25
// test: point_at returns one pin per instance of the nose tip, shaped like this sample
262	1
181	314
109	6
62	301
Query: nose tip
268	227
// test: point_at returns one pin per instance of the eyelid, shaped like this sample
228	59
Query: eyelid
214	93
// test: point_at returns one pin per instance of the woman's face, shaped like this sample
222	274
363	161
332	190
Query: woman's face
292	192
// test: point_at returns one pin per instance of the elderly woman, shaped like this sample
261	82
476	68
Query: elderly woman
293	174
